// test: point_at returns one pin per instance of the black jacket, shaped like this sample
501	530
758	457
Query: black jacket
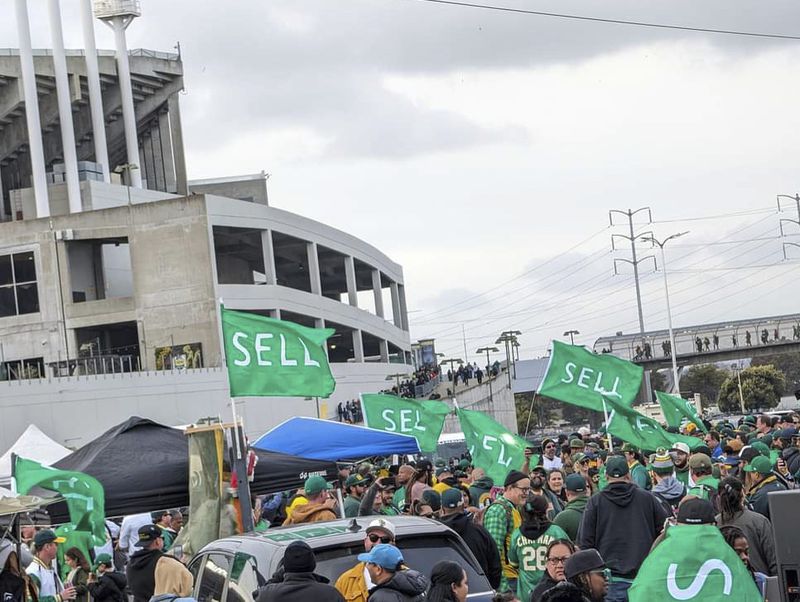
792	457
299	587
109	587
545	584
405	586
621	522
480	542
141	573
11	587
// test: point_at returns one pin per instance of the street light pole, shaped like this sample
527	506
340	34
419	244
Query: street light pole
507	337
741	395
487	351
452	362
674	349
571	334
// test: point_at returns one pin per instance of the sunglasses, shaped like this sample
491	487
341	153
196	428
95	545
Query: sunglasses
606	573
549	446
376	538
558	559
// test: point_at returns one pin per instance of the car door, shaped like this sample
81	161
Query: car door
211	577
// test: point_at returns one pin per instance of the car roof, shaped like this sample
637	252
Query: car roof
335	532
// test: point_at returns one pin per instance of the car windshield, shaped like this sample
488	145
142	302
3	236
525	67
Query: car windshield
420	553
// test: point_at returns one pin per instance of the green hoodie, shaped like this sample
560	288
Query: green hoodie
570	517
478	488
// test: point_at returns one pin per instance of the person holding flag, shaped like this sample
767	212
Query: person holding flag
639	474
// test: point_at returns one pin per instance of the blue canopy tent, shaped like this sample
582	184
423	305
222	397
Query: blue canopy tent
333	441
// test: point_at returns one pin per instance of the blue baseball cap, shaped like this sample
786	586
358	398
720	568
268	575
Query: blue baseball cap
385	555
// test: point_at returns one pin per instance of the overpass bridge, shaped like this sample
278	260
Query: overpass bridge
707	343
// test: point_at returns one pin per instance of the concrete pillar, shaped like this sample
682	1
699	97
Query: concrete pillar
396	313
358	346
34	122
313	268
95	94
64	108
166	153
128	113
350	275
2	199
384	344
377	292
403	309
320	323
174	108
269	256
150	179
158	157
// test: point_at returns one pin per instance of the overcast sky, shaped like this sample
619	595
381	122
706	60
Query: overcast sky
483	150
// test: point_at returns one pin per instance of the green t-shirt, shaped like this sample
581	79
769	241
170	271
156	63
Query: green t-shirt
531	558
399	497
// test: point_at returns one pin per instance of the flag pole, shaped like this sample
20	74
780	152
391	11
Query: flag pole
608	433
240	466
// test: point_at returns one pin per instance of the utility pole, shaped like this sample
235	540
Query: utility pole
487	351
796	199
571	334
634	261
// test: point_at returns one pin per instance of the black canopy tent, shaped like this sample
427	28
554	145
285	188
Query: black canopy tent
144	466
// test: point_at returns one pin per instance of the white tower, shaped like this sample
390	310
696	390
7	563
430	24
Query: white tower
118	14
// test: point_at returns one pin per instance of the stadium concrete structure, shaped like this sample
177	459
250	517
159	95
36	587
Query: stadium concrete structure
109	291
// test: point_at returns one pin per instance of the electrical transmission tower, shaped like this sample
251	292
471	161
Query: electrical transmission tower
796	199
635	261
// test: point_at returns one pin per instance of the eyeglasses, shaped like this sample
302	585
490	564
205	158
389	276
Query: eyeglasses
429	515
558	559
375	538
606	573
522	489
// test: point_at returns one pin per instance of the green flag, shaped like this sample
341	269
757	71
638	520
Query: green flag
676	408
422	419
640	430
274	358
491	446
84	494
693	563
576	375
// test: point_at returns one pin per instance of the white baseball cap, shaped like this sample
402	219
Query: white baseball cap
681	447
383	525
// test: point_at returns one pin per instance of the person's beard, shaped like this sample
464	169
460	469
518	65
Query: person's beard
537	483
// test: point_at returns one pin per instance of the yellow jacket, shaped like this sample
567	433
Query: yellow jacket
351	584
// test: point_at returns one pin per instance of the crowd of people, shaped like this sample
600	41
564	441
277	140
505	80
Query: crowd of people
575	522
350	412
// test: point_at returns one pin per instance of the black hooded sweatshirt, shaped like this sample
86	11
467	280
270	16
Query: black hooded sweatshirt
109	587
404	586
141	573
480	542
621	522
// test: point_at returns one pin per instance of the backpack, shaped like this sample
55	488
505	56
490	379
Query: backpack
273	509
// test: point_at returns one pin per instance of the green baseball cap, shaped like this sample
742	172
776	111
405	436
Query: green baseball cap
761	465
356	479
761	447
103	559
316	484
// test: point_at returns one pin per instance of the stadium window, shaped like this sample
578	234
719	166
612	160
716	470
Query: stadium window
19	293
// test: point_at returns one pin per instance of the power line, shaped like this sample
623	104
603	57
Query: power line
508	9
